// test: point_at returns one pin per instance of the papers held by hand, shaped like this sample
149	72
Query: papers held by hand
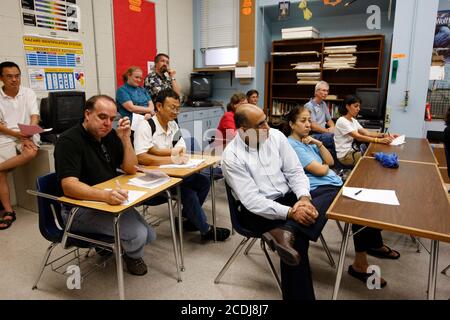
192	163
398	141
30	130
372	195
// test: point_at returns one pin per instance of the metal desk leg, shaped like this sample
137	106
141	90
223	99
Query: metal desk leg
213	200
341	260
432	271
174	232
180	227
118	250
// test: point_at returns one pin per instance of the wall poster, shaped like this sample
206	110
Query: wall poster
63	15
54	64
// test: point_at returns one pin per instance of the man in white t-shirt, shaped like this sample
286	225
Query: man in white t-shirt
17	105
153	143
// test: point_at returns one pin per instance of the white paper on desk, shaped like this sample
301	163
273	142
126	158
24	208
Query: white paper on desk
372	195
133	195
192	163
153	173
30	130
148	181
398	141
137	119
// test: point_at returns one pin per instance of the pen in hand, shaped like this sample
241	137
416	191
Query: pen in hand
124	193
358	192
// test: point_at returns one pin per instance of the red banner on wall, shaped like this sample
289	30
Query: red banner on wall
134	35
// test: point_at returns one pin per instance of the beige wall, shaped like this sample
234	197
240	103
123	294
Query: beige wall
174	35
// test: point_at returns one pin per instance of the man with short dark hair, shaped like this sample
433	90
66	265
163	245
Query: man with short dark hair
90	153
18	104
163	77
266	177
153	141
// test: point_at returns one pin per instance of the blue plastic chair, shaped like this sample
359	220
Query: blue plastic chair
51	224
235	207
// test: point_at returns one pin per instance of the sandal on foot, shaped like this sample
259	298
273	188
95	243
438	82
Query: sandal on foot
7	222
384	254
363	276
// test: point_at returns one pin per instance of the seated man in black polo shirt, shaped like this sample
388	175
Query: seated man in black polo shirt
90	153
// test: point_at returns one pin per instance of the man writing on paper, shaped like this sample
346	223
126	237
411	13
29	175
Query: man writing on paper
17	105
90	153
154	145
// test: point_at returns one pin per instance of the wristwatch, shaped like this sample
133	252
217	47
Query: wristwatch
173	79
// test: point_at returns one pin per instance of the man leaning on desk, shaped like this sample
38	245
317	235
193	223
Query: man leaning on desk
154	145
90	153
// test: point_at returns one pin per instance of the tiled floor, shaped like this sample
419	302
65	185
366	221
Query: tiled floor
248	278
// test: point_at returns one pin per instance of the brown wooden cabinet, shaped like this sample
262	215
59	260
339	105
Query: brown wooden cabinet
285	92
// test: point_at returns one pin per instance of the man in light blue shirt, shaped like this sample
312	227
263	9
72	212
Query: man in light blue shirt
321	123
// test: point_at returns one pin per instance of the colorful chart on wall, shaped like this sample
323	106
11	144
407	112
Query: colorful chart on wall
135	35
54	64
51	14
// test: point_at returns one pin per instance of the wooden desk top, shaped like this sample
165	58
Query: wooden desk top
424	208
415	149
439	153
185	172
123	180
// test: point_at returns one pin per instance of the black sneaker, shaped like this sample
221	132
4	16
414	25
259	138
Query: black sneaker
221	233
187	225
136	267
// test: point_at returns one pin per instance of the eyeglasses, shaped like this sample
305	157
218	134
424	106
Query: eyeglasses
105	153
174	109
12	76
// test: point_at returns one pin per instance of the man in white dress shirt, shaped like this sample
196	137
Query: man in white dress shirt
17	105
265	175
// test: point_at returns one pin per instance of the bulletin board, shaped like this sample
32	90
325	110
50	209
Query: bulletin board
134	35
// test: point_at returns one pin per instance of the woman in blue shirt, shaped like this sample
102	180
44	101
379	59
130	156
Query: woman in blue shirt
132	98
324	186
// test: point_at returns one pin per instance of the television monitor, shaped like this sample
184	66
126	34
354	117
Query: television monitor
370	103
201	87
62	110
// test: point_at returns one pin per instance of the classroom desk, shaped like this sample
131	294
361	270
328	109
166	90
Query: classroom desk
209	162
116	211
415	149
424	209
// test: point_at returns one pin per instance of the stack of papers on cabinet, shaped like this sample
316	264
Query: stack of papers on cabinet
299	33
308	77
340	49
314	65
340	61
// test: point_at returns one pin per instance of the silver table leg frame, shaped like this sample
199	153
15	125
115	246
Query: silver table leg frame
174	233
44	263
344	245
327	251
117	252
213	200
432	272
180	228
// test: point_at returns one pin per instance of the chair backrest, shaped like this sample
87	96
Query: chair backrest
234	207
50	221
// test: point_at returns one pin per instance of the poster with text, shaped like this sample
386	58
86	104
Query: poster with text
441	43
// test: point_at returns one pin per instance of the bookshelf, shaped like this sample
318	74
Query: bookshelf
362	68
